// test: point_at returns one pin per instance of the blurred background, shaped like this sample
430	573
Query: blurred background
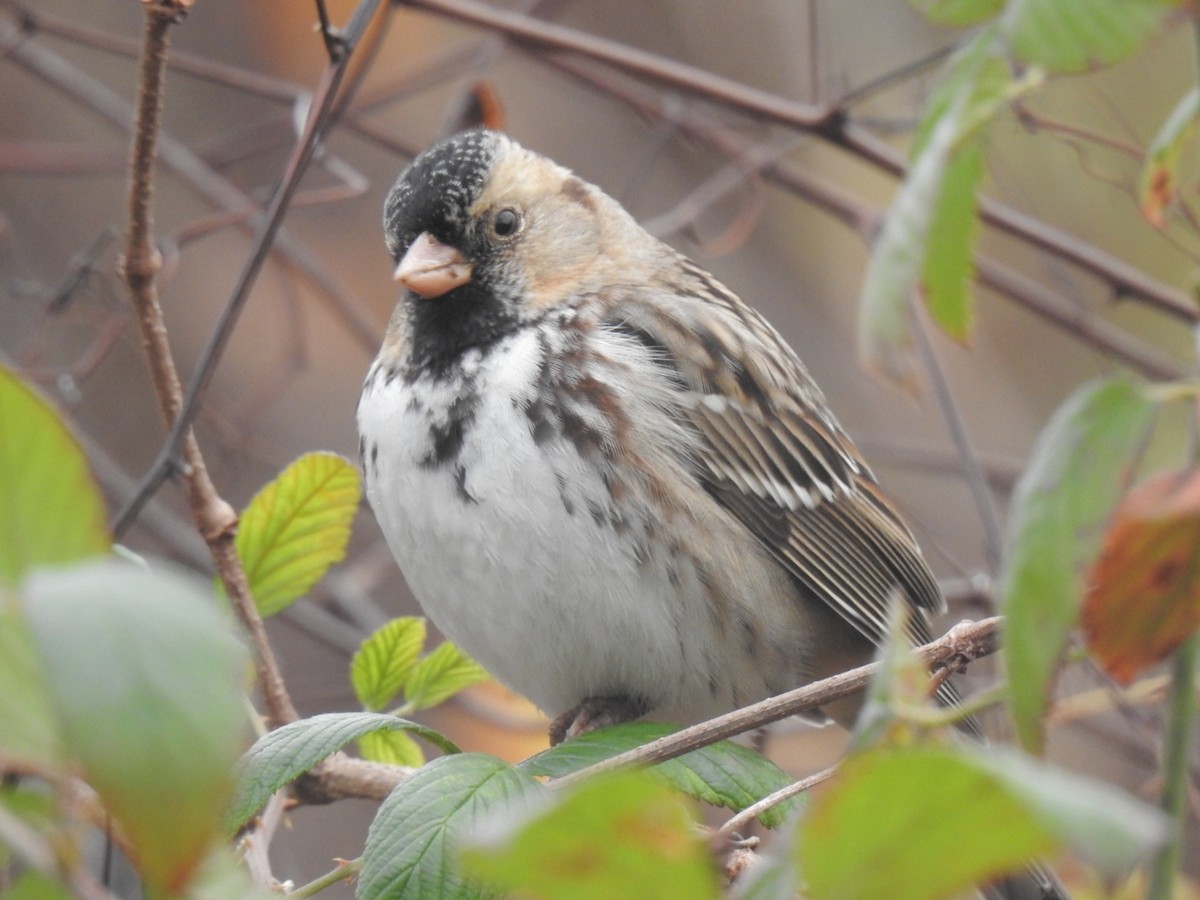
789	239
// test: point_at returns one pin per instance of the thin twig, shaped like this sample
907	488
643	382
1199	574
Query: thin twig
323	103
831	123
964	642
969	462
864	218
215	519
737	822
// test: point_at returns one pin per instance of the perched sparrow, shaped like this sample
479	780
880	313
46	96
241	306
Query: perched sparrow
604	476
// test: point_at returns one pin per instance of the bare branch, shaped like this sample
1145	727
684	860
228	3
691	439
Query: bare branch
215	519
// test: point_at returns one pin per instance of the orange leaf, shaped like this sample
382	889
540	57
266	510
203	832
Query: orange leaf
1144	590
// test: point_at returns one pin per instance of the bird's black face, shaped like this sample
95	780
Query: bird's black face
435	196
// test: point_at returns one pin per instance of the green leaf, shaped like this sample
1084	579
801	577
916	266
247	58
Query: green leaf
874	830
409	845
392	747
36	886
52	510
1106	826
949	267
958	13
296	527
617	835
147	680
1160	176
1063	498
723	774
1069	36
286	753
936	199
30	734
439	676
384	660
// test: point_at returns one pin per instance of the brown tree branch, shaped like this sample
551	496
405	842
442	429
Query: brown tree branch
964	642
342	777
214	518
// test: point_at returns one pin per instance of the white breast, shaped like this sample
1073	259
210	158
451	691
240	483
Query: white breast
500	547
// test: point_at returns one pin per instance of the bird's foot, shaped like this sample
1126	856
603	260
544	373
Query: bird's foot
596	712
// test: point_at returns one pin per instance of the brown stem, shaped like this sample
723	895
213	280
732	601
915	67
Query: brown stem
963	643
214	518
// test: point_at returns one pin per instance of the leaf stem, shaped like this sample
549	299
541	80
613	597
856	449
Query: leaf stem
1181	707
348	868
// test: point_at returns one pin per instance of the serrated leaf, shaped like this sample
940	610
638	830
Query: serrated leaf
1159	182
282	755
52	510
1068	36
1060	503
958	13
1143	597
723	774
854	845
296	527
409	846
147	681
392	747
439	676
383	662
617	835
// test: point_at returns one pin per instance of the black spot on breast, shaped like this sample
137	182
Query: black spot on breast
460	485
446	436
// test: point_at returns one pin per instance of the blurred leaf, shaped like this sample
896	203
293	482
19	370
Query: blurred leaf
409	845
888	813
30	732
931	204
1143	599
392	747
36	886
949	264
1106	826
50	508
282	755
296	527
958	13
1060	503
1160	176
222	876
1069	36
147	681
439	676
723	774
383	661
617	835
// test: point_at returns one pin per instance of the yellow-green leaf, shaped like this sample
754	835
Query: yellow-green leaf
393	747
441	675
296	527
50	508
385	659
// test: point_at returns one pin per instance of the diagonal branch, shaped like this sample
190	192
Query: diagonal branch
215	519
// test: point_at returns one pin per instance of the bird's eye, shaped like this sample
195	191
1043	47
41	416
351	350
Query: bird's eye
506	223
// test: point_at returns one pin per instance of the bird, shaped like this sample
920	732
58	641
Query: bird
604	476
